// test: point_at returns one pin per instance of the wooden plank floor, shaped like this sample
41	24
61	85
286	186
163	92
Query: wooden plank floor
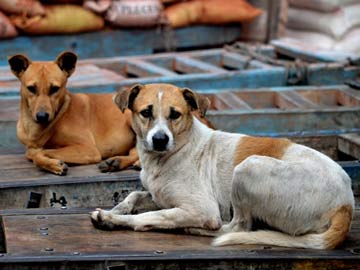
64	237
17	171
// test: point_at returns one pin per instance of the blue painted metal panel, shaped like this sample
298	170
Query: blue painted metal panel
119	42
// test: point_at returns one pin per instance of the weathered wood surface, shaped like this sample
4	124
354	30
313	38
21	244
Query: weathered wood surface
266	111
287	110
200	70
70	240
86	186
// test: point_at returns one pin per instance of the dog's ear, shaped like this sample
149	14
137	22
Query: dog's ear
18	64
196	101
67	62
125	98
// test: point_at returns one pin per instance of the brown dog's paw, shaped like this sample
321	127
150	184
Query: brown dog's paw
109	165
101	219
60	168
64	167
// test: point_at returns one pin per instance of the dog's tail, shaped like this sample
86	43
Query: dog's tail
340	222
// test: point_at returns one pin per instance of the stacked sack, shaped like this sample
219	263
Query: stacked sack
46	17
33	17
325	24
176	14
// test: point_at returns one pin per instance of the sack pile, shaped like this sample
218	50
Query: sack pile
128	13
210	12
33	17
46	17
325	24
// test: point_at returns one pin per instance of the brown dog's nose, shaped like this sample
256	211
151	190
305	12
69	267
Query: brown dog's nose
42	117
160	141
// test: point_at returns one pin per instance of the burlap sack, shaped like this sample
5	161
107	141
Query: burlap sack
60	19
130	13
7	30
99	7
28	7
210	12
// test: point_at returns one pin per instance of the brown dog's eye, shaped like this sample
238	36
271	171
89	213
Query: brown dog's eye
174	115
147	113
54	89
32	89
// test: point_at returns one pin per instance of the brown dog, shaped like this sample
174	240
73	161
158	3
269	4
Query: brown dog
57	126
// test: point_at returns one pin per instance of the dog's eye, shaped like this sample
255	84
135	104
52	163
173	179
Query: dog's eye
147	113
174	115
54	89
32	89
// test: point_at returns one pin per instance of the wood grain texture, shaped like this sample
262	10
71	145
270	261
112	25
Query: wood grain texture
68	233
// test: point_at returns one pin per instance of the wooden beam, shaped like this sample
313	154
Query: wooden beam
142	68
233	101
291	99
191	65
350	144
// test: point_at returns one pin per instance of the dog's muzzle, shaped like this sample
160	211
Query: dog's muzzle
160	141
42	117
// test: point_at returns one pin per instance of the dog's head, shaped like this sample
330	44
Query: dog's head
161	113
43	84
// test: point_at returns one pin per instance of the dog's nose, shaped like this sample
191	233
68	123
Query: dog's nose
160	141
42	117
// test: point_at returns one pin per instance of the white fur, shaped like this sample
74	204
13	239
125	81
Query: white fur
196	183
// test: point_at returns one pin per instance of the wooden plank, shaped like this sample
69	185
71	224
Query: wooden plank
142	68
350	144
71	237
277	122
259	99
235	60
191	65
292	99
17	171
348	98
232	101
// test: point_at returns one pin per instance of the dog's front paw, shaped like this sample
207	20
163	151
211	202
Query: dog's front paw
59	168
101	219
109	165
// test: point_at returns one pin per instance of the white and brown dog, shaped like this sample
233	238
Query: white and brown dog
194	175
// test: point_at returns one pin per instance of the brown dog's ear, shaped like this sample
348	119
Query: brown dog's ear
125	98
18	64
66	62
196	101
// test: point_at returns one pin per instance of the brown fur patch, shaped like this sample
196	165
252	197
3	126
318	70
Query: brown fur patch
271	147
339	227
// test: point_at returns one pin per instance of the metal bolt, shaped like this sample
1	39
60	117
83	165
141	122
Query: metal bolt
44	233
43	229
63	207
49	249
2	254
159	252
356	250
76	253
